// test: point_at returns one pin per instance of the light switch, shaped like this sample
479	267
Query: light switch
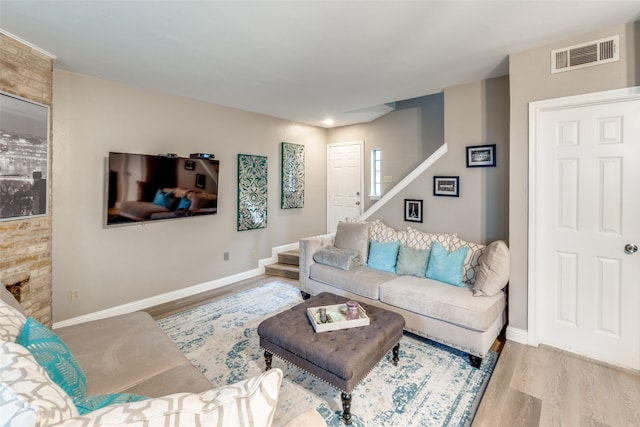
387	178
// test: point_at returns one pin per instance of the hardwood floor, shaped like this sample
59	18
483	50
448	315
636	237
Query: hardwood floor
529	387
544	386
173	307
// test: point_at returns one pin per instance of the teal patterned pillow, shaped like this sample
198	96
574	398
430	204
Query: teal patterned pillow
55	357
446	266
91	403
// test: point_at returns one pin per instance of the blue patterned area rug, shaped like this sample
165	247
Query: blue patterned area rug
433	385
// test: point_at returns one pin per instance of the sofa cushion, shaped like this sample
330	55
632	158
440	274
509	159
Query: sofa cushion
27	394
383	256
353	235
55	357
91	403
494	270
472	260
114	353
11	321
361	280
412	261
435	299
345	259
420	240
446	266
251	402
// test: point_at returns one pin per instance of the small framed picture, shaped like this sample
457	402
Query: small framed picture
446	186
190	165
200	180
413	210
481	156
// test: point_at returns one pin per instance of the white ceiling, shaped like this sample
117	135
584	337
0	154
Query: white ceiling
301	60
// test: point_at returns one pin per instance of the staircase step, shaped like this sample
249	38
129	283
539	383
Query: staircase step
283	270
289	257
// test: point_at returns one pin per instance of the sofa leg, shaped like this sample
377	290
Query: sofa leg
475	360
305	296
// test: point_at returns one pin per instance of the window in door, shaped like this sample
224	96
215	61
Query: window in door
376	177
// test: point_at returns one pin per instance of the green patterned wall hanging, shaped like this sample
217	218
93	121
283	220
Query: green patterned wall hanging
292	194
252	192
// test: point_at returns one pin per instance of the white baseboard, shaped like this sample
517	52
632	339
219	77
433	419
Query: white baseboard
180	293
518	335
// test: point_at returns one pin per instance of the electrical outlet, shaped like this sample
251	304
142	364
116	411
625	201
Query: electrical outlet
226	256
75	294
254	254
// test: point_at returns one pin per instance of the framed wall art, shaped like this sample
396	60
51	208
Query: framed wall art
292	188
446	186
24	158
252	192
481	156
413	210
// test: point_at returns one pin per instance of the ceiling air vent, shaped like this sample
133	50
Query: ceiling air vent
585	55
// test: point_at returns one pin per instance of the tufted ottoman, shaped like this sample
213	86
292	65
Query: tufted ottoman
341	358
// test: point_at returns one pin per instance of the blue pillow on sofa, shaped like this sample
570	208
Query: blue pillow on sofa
383	256
446	267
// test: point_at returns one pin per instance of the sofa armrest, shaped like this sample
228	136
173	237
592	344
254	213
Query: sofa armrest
309	246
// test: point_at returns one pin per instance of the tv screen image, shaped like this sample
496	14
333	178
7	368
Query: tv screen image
144	187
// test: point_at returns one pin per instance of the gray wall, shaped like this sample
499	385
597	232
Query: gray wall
531	80
406	136
117	265
474	114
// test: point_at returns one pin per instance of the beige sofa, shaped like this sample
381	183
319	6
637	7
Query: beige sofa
124	354
468	317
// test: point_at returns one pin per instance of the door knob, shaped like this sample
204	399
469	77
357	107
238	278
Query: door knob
358	204
630	248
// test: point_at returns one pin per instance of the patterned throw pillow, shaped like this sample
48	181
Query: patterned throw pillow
383	233
55	357
27	394
472	261
420	240
11	322
251	402
446	266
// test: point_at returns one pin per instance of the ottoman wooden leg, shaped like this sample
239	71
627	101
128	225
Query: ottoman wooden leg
396	351
346	408
268	357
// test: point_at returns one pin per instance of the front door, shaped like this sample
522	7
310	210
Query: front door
587	225
344	182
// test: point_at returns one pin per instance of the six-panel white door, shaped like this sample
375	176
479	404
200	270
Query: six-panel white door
588	211
344	182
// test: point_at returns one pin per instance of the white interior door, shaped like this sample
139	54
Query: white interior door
586	213
344	182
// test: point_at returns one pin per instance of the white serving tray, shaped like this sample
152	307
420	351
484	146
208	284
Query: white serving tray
339	320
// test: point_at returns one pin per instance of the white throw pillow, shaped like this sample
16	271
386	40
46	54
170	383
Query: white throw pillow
251	402
494	270
32	395
11	322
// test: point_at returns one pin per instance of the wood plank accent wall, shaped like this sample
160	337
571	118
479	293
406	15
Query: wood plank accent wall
25	245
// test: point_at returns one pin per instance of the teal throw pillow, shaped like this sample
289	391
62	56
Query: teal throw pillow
160	198
446	267
383	256
55	357
91	403
184	203
412	262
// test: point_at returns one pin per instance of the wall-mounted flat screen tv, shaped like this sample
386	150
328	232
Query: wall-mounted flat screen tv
144	187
